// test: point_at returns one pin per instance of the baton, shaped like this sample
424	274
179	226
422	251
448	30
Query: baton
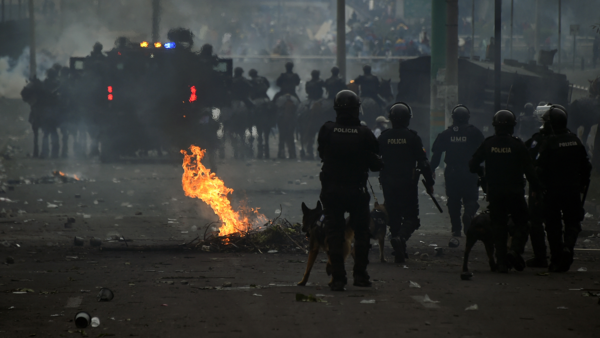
587	187
432	198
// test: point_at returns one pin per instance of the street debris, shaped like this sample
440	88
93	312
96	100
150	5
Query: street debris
426	299
95	322
582	269
472	307
414	285
300	297
82	320
257	295
454	242
367	301
95	242
78	241
105	295
466	275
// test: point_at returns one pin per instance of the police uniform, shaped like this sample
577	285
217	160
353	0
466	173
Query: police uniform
260	86
314	89
402	153
564	168
369	87
459	142
287	82
506	161
348	151
333	85
241	89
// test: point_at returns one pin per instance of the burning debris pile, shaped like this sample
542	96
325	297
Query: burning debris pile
242	230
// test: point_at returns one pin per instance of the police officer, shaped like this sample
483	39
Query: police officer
334	84
564	168
314	87
287	82
348	151
32	94
260	85
405	160
506	161
50	114
96	53
241	88
528	123
459	142
369	85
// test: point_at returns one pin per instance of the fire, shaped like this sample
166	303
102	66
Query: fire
61	174
198	182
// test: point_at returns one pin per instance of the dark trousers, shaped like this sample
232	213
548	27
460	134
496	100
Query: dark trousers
562	205
336	202
36	142
503	204
462	190
536	226
402	205
50	136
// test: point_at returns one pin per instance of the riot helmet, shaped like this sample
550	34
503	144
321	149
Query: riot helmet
504	122
335	71
98	47
461	114
528	109
400	114
367	69
206	50
315	74
289	66
253	73
347	102
556	117
238	71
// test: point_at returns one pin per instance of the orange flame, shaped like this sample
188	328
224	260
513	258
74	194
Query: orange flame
198	182
60	173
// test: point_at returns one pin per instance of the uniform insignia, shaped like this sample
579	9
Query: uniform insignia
501	150
397	141
345	130
567	144
455	128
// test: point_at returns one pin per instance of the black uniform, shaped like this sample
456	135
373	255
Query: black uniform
241	89
32	94
287	82
314	89
260	86
506	161
334	85
348	151
564	168
402	153
50	118
460	143
369	87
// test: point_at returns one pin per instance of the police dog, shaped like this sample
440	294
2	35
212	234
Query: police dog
312	225
480	229
378	227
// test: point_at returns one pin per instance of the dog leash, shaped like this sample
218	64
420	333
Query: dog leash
372	191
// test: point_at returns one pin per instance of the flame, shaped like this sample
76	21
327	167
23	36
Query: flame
351	81
193	96
198	182
144	44
61	174
157	44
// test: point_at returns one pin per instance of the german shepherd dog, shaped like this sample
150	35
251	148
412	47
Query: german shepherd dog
312	225
480	229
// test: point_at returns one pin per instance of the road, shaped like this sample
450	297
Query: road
191	293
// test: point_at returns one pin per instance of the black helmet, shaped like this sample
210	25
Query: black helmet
346	100
401	113
504	118
238	71
335	71
253	72
315	73
98	47
367	69
557	116
528	109
289	66
206	50
461	113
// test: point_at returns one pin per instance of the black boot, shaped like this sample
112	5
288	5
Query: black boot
566	259
338	272
361	260
515	260
399	245
537	262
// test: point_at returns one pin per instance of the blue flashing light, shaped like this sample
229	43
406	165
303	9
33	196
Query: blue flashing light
170	45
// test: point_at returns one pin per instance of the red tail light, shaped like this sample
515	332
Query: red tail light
193	96
110	89
110	95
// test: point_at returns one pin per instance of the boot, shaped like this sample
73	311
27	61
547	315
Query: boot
515	260
338	272
537	262
361	260
566	259
399	245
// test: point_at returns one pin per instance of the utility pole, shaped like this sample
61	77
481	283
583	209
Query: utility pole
512	5
451	81
536	34
498	55
559	33
155	20
437	116
341	37
32	62
472	29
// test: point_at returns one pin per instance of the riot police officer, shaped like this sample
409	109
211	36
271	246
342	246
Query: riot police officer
506	161
50	119
564	168
348	151
314	87
528	123
459	142
96	53
287	82
260	85
334	84
241	88
369	85
401	148
32	94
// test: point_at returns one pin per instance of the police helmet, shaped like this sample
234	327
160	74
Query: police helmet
504	118
346	100
253	72
367	69
335	71
557	116
528	109
238	71
207	49
400	112
98	47
461	113
289	66
315	73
